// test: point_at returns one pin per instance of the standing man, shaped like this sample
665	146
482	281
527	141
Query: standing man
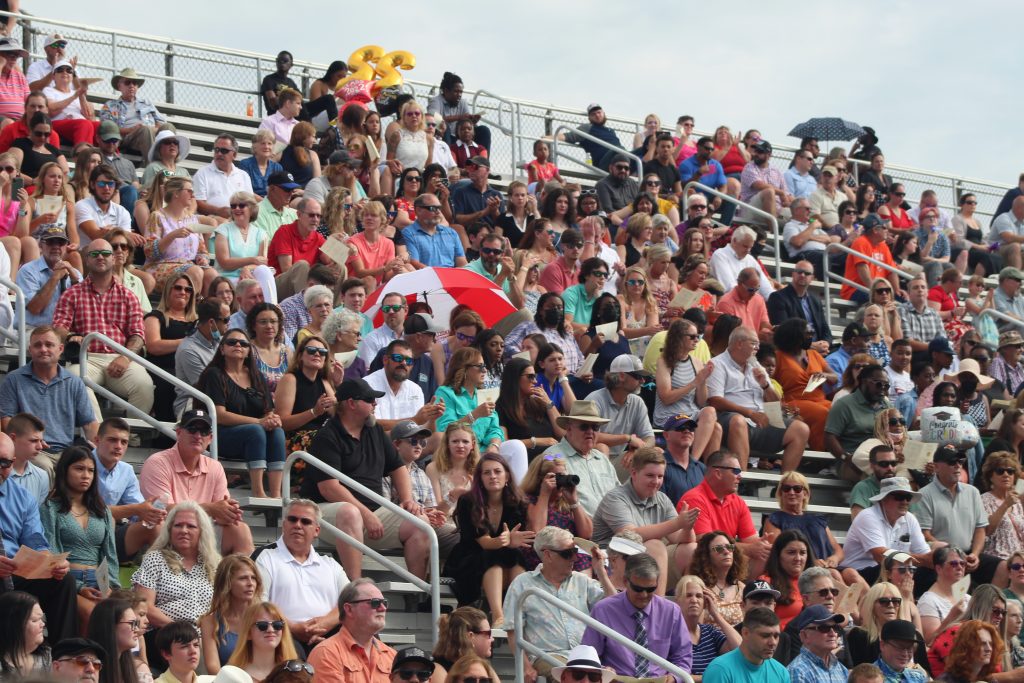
137	118
355	654
476	200
47	277
819	631
577	448
394	308
430	243
497	267
796	300
217	181
653	622
753	659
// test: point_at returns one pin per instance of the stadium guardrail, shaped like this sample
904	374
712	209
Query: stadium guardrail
433	587
522	646
829	275
159	372
511	129
999	315
598	141
17	335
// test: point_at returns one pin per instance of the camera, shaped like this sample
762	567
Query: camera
566	481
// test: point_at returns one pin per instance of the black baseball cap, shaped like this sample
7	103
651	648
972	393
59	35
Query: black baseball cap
76	646
283	179
191	416
359	390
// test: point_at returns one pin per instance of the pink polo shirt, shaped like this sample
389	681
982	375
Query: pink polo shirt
165	473
557	278
279	126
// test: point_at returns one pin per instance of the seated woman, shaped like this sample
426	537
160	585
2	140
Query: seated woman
76	521
553	378
661	276
975	654
463	632
472	669
298	157
222	290
880	342
549	504
849	383
998	480
172	246
304	397
465	326
172	320
882	603
260	166
579	299
165	156
176	575
640	310
491	518
492	348
248	427
451	470
264	641
271	353
710	632
638	231
608	347
343	331
237	586
791	553
86	159
798	366
373	255
34	151
524	409
23	649
890	430
680	387
987	604
139	282
360	149
944	298
319	301
21	247
50	205
723	569
465	376
241	246
116	627
938	612
407	144
898	568
74	118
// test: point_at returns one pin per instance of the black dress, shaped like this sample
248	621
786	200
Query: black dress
163	392
534	427
468	561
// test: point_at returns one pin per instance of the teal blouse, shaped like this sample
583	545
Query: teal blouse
458	405
88	546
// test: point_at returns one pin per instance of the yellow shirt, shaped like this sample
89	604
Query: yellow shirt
657	343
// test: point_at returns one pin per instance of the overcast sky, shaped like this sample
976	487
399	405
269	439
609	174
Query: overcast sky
940	82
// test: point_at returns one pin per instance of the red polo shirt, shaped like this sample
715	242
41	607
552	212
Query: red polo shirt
288	242
730	516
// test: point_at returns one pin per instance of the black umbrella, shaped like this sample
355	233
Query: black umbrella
827	128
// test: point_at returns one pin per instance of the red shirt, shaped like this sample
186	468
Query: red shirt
18	129
556	278
288	242
879	252
116	313
730	516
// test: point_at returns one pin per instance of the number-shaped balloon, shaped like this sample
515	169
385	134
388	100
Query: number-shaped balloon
387	68
361	64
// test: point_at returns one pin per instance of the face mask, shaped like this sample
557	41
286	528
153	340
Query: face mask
896	436
552	317
215	335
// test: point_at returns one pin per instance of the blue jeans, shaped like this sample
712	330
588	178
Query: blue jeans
129	195
252	443
84	577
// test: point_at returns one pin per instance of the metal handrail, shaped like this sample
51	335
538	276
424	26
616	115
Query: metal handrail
510	130
433	586
18	336
993	313
522	646
753	209
836	246
159	372
587	136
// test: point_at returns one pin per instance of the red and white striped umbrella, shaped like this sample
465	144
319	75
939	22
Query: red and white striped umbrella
443	289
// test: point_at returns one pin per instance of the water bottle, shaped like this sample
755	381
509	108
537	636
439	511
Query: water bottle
250	107
160	504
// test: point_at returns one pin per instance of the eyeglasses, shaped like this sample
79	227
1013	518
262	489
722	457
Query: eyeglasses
956	564
723	548
486	633
736	471
120	246
399	358
887	463
418	674
825	592
591	676
375	603
235	341
890	602
791	488
490	251
565	553
239	207
312	214
468	338
316	351
899	194
1004	470
4	464
479	366
223	150
202	431
392	308
641	589
295	666
277	625
100	253
134	623
183	288
304	521
432	208
83	661
909	570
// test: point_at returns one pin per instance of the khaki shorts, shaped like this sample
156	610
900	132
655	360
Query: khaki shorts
390	520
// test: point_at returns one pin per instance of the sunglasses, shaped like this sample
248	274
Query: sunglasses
736	471
823	628
641	589
956	564
475	679
893	421
468	338
1004	470
490	251
202	431
899	194
392	308
803	272
183	288
694	207
8	169
83	661
4	464
890	602
883	290
825	592
316	351
304	521
100	253
277	625
107	184
566	553
40	133
850	212
791	488
723	548
600	274
223	150
120	246
239	207
887	463
1015	567
432	208
399	358
998	612
652	183
909	570
235	341
418	674
636	283
295	666
591	676
902	497
375	603
486	633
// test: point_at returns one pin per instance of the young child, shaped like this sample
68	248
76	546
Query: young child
451	471
410	439
540	169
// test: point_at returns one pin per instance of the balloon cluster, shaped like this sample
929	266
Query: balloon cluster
375	78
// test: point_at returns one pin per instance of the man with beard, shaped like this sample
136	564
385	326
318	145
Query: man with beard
577	448
402	398
494	265
77	660
752	660
851	421
703	169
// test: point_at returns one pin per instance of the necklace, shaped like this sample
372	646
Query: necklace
721	591
83	513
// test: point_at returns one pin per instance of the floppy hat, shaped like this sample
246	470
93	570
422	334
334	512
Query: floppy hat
583	657
130	74
895	485
582	411
970	367
184	146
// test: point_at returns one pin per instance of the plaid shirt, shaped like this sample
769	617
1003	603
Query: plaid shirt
810	668
296	315
117	314
422	489
923	326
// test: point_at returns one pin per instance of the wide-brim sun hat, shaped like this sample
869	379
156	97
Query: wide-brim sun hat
184	146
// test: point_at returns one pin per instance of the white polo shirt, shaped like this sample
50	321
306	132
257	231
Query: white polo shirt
400	405
301	590
870	529
215	187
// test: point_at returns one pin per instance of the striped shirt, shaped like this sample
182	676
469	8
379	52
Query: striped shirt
13	91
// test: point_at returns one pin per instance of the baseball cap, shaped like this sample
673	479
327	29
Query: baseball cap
764	146
406	429
75	646
947	454
941	345
412	654
359	390
341	157
627	362
420	322
872	220
752	588
818	614
592	106
831	170
478	161
53	231
679	421
191	416
283	179
109	131
54	38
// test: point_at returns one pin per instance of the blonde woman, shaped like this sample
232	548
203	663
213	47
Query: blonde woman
50	192
260	166
881	340
881	604
638	233
652	124
793	494
891	430
373	255
640	310
882	294
407	143
264	641
527	270
241	245
237	586
138	281
898	568
710	632
657	261
172	246
451	470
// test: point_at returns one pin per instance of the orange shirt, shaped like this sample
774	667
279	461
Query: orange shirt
339	659
879	252
753	313
793	376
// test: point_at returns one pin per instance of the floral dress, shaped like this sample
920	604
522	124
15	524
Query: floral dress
272	373
179	256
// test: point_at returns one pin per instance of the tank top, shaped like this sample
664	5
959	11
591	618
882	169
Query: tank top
412	148
307	393
272	373
683	373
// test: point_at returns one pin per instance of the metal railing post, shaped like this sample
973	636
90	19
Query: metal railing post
259	84
169	73
113	53
509	130
18	336
434	567
772	220
829	274
598	141
522	646
83	363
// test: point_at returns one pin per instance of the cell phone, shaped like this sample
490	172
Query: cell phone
16	185
444	181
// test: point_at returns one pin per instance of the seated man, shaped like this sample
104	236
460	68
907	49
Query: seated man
640	506
183	472
651	620
800	182
746	303
178	644
577	448
47	277
629	425
98	213
20	525
851	421
303	583
353	295
825	201
616	190
1008	232
754	659
543	624
872	243
581	663
855	340
1008	298
420	334
796	300
818	589
275	209
819	630
702	168
402	398
886	525
109	139
882	463
721	509
683	470
217	181
897	644
47	390
727	262
355	445
196	351
139	521
77	660
476	200
395	309
762	185
597	127
355	653
920	322
26	431
430	243
137	118
296	247
100	303
40	72
248	293
805	238
497	268
564	271
737	388
951	512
